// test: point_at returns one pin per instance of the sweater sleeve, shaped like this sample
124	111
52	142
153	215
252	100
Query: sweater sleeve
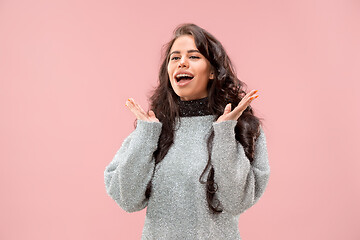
240	183
128	174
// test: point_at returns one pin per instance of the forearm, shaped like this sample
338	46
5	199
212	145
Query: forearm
127	176
240	184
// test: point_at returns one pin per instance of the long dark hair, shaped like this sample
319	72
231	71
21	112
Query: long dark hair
223	89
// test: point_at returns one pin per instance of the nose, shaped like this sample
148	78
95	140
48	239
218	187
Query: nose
182	62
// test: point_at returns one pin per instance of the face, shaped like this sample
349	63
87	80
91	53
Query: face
186	58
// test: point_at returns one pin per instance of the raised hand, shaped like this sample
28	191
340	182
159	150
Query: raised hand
236	112
139	112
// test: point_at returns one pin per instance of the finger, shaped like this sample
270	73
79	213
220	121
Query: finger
244	103
135	105
128	103
132	102
253	97
227	108
134	109
152	116
140	108
136	112
141	112
250	94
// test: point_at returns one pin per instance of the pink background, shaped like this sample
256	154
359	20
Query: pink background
67	68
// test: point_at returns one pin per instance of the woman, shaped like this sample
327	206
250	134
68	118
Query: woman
198	158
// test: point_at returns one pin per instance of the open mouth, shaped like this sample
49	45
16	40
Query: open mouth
183	78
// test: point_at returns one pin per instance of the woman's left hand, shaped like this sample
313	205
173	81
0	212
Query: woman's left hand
236	112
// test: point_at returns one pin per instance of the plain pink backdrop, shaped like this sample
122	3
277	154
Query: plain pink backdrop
67	68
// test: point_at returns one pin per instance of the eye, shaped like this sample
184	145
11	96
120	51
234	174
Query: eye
173	58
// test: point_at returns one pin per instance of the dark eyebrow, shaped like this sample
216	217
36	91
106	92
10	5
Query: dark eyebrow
189	51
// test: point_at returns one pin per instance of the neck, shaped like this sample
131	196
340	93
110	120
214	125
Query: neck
196	107
192	98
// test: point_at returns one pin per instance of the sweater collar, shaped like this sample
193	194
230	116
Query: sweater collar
196	107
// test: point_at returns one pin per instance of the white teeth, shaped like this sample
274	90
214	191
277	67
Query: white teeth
183	75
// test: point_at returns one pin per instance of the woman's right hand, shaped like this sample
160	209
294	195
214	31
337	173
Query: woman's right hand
139	112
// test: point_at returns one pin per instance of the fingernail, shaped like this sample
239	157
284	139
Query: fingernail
256	96
256	91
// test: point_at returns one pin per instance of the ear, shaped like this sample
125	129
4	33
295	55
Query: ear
212	72
211	75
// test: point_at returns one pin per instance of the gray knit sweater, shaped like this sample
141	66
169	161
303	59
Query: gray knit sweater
177	207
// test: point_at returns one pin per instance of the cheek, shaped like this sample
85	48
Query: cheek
170	76
204	72
169	70
202	67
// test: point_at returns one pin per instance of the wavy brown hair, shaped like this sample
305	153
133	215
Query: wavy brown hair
223	89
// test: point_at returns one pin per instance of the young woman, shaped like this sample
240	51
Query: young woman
198	158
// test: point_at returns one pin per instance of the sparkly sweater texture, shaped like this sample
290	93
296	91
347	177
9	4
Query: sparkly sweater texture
177	207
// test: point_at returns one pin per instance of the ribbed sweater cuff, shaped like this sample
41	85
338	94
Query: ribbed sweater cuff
225	129
149	130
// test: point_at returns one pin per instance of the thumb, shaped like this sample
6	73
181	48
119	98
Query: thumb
152	116
151	113
227	108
